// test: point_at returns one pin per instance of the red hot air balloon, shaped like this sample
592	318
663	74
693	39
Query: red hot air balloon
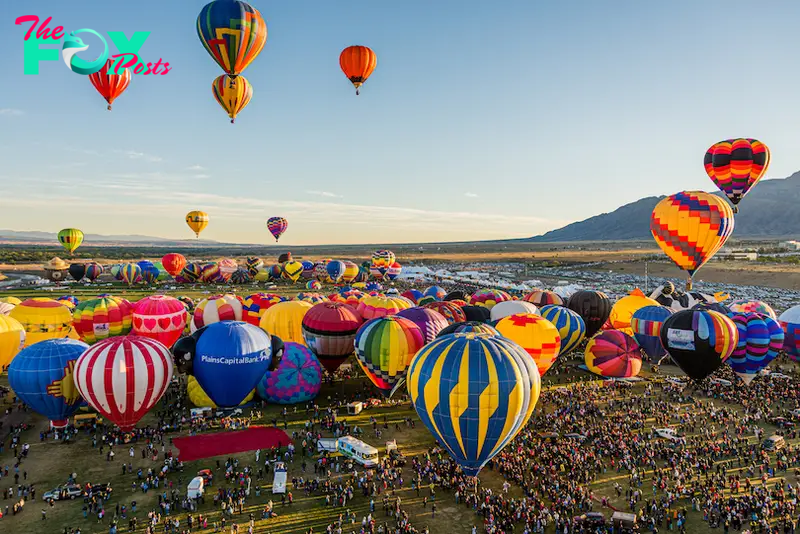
124	377
329	329
173	263
109	85
159	317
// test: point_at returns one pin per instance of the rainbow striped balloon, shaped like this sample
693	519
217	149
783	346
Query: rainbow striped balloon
101	318
760	341
385	347
613	354
646	324
736	166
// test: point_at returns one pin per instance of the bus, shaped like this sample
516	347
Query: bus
358	451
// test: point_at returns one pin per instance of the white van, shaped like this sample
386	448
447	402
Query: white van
358	451
195	488
668	433
327	444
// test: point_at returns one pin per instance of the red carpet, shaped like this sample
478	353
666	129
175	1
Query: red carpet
192	448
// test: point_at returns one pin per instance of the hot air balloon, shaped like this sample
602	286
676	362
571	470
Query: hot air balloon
448	310
200	398
255	305
41	376
477	313
77	271
285	257
350	272
646	324
308	269
571	327
192	272
233	33
613	354
357	63
538	336
543	297
394	271
473	393
218	308
292	270
690	227
124	377
69	301
760	341
101	318
313	285
312	298
790	322
173	263
489	297
753	306
42	318
229	358
512	307
285	320
93	270
335	270
622	311
385	347
159	317
699	341
467	327
372	307
12	339
434	291
233	98
593	306
197	221
736	166
150	272
298	377
110	83
253	265
131	273
329	330
429	321
277	226
70	239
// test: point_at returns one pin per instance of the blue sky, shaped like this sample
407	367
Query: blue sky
482	119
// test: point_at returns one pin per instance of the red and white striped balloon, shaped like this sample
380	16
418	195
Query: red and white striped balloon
124	377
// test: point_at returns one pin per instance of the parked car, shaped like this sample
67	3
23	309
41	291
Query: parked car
590	519
71	491
104	490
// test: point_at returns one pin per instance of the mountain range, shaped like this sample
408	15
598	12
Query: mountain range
770	210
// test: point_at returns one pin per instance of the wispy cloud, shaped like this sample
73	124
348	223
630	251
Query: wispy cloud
326	194
11	112
471	195
201	176
133	154
195	168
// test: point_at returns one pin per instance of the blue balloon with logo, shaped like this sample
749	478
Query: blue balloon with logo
42	376
229	359
335	270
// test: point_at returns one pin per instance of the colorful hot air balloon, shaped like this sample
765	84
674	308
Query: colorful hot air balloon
760	341
329	330
314	285
790	322
110	83
159	317
622	311
613	354
253	265
298	377
646	325
385	347
489	297
436	292
232	97
200	398
571	327
150	272
429	321
285	320
42	318
736	166
70	239
538	336
131	273
690	227
474	327
593	306
173	263
308	269
452	312
292	270
192	272
474	394
394	271
12	339
543	297
101	318
218	308
753	306
233	33
229	359
372	307
41	376
313	298
699	341
357	63
335	270
255	305
277	226
124	377
197	221
93	270
350	272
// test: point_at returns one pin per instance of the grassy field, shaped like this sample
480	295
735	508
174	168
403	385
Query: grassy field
50	463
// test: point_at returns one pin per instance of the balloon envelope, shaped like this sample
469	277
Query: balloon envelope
297	379
699	341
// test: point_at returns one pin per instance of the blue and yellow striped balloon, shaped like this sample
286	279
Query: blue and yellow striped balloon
474	393
571	326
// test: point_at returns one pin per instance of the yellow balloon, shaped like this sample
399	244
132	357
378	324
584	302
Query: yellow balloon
12	339
292	270
42	319
200	398
233	97
197	221
623	310
285	320
538	336
11	300
262	275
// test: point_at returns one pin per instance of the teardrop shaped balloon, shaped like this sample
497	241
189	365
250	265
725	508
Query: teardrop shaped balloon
277	226
690	227
699	341
357	63
233	33
108	84
736	166
70	239
232	97
197	221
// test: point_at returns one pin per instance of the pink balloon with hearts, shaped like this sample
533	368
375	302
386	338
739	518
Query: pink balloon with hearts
159	317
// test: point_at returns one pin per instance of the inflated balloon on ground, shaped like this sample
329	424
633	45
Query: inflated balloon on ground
297	379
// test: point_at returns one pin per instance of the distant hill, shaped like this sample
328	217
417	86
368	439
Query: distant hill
770	210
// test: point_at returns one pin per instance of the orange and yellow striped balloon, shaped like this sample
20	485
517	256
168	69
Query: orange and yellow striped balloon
690	227
232	97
